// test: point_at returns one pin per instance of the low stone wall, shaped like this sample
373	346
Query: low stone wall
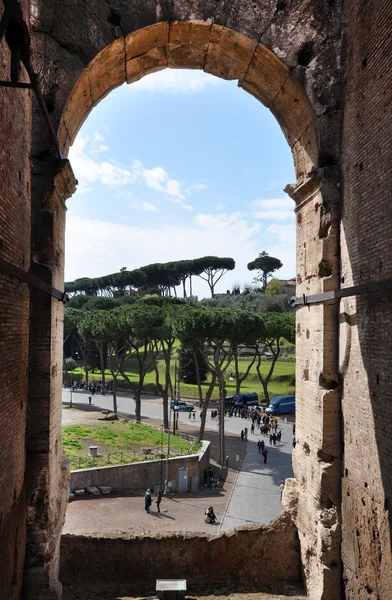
142	475
253	556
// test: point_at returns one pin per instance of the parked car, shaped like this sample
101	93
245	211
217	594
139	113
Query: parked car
181	405
280	405
242	400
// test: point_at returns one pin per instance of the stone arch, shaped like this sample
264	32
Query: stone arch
304	99
198	45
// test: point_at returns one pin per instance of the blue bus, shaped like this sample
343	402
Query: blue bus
280	405
243	400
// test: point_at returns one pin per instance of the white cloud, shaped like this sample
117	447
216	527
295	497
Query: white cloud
187	207
279	215
147	206
274	204
175	81
272	185
89	171
98	137
101	244
196	187
274	209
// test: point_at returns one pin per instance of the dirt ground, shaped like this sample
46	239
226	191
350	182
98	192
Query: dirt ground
124	513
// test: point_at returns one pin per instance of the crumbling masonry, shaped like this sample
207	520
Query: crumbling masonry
323	67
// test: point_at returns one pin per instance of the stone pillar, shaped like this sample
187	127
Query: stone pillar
317	455
47	472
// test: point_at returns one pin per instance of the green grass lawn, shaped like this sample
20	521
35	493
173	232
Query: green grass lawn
119	443
282	382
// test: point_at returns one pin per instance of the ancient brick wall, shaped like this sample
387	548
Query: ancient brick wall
287	55
365	337
15	139
261	556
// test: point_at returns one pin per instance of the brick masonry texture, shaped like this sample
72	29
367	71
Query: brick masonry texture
15	141
327	77
365	339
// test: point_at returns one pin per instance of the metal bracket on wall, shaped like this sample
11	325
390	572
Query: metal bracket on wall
16	33
377	287
9	269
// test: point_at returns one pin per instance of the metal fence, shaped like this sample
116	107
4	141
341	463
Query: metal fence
129	456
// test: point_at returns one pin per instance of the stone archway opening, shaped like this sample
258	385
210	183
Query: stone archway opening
228	54
198	45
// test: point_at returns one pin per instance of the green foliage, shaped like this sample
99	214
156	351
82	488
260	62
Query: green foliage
118	436
266	265
274	288
187	366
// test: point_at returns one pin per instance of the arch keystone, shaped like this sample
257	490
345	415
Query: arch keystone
188	44
229	53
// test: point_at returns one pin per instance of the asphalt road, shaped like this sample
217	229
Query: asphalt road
256	494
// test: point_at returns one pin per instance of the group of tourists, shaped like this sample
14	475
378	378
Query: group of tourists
96	387
148	501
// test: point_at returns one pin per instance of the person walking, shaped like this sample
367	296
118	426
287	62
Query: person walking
259	445
279	436
265	455
159	500
242	435
147	500
252	428
262	445
89	400
274	438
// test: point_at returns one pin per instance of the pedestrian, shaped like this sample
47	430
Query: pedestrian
194	416
279	436
294	442
270	439
159	500
259	445
205	474
281	487
274	438
265	454
262	445
242	435
89	399
189	414
147	500
252	428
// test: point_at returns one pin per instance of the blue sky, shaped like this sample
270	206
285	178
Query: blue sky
179	165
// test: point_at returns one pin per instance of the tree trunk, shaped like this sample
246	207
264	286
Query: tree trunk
222	399
197	369
237	373
205	407
102	361
183	287
165	406
190	286
85	370
138	405
115	394
265	390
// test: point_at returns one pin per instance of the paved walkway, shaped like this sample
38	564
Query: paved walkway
255	496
